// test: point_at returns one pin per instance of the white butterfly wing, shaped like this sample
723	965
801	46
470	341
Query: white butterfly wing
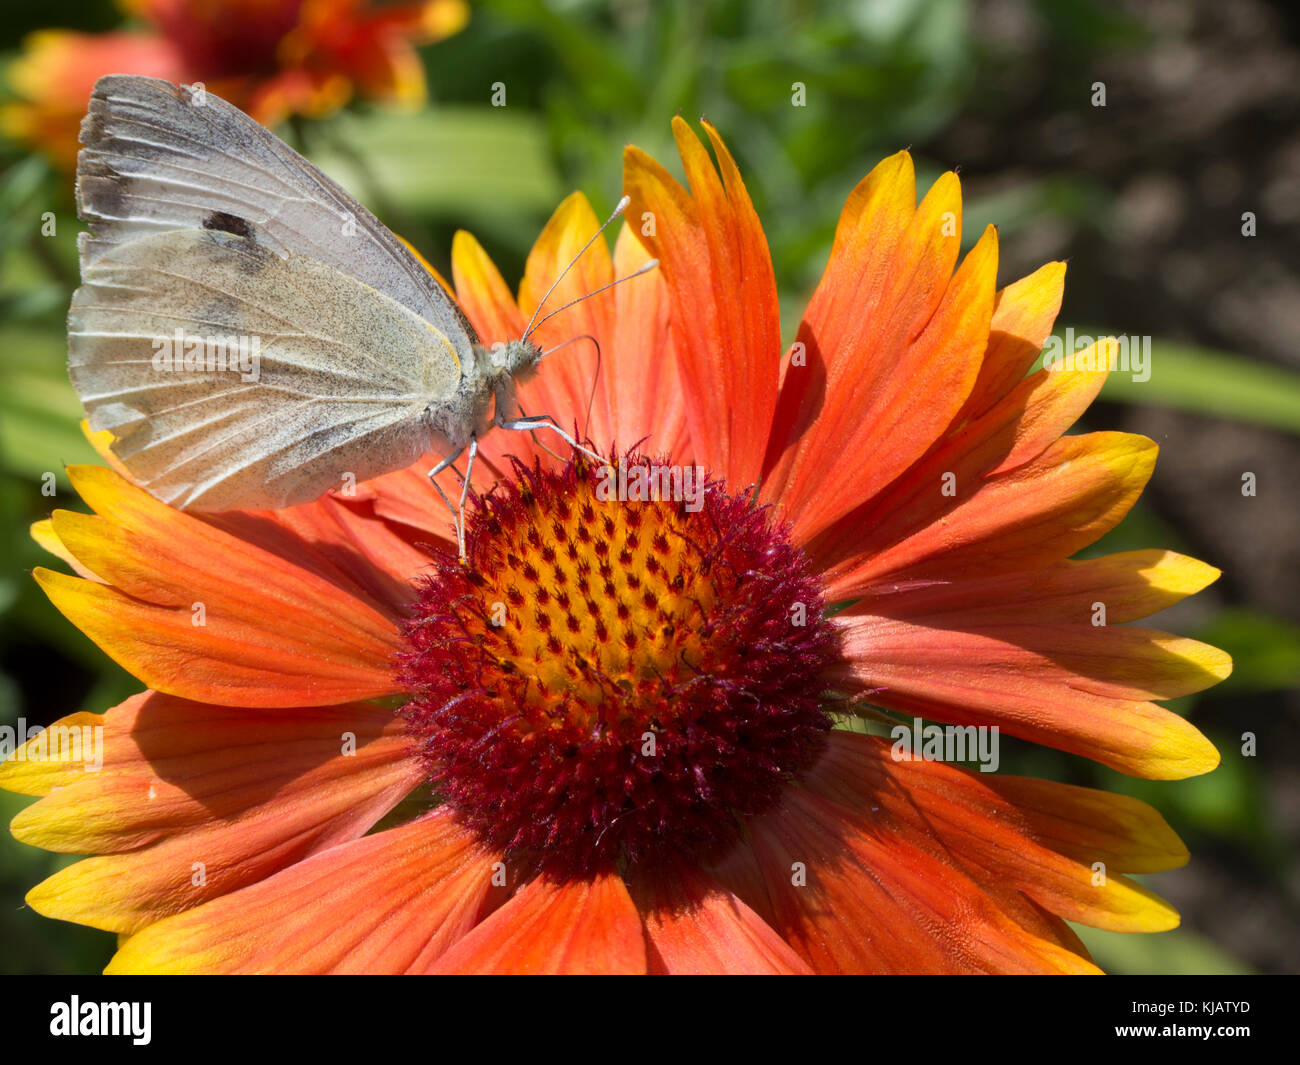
344	376
157	157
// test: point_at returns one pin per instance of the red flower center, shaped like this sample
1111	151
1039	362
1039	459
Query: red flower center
630	661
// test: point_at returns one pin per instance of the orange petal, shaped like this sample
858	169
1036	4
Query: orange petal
407	498
567	380
195	801
340	538
1015	431
1091	826
1023	315
891	345
1002	890
1034	515
641	381
693	925
102	442
54	758
45	536
554	926
722	291
482	292
1076	688
389	903
1130	585
852	896
982	831
269	633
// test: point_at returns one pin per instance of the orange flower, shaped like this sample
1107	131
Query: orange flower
54	75
614	730
272	58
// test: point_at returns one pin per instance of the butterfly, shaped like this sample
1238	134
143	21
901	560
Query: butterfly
247	331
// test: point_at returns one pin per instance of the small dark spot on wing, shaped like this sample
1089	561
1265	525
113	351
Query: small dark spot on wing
228	223
243	253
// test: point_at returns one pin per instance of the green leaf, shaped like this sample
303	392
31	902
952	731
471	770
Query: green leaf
1265	650
447	161
1204	381
1179	952
39	412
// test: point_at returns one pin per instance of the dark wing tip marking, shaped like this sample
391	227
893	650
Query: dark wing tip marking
225	222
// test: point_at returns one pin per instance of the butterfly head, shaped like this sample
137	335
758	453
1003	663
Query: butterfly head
502	367
517	358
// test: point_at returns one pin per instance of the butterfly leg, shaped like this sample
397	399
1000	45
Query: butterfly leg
533	434
545	421
457	514
464	488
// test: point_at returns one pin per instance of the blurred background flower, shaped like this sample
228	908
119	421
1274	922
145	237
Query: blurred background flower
1149	189
274	58
271	58
53	78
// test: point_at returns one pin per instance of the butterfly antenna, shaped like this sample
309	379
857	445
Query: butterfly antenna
644	269
618	210
591	396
